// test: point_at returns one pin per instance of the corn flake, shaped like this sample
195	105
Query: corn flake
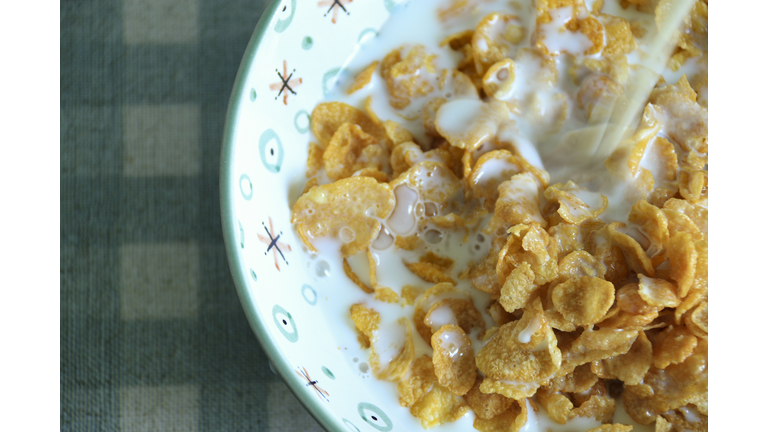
326	210
632	366
351	150
600	408
584	300
329	116
511	420
682	260
634	253
531	244
363	78
398	365
557	405
439	406
576	204
417	381
594	345
518	201
454	359
673	345
366	322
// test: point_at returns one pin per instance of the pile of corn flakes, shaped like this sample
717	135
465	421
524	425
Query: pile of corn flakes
587	311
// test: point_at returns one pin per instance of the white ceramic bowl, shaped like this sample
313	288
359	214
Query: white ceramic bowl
305	333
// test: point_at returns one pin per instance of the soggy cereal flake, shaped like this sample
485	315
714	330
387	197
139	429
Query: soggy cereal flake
496	38
618	35
658	292
519	288
499	79
557	405
594	345
386	294
366	322
693	184
685	121
673	345
601	245
410	293
454	359
404	156
482	274
597	95
329	116
580	263
600	408
599	389
458	40
583	300
409	73
354	203
351	150
363	78
568	29
686	418
439	406
632	366
519	201
532	328
466	123
682	260
429	272
531	244
463	310
417	382
568	239
433	181
354	278
577	204
680	222
314	159
486	405
636	257
625	160
393	369
490	171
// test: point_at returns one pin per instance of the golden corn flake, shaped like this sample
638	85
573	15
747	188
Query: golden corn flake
483	122
681	223
697	214
408	74
531	244
386	294
576	204
366	322
599	389
396	133
314	159
380	177
444	304
433	181
518	201
511	420
354	278
686	120
616	427
600	408
495	39
658	292
429	272
499	314
410	293
393	369
594	345
557	405
584	300
486	405
697	321
363	78
519	288
634	253
629	299
351	150
653	224
454	359
618	35
329	116
682	260
673	345
490	171
580	263
417	382
347	209
439	406
556	23
632	366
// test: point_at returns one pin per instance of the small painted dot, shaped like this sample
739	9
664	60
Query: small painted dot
253	95
328	373
374	417
306	43
253	275
285	322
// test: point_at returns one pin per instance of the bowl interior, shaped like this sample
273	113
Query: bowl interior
301	319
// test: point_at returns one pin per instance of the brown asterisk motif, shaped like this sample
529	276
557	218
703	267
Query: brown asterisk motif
335	5
286	84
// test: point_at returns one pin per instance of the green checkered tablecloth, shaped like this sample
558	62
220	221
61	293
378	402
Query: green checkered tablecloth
153	337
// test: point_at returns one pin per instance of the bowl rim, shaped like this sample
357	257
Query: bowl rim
226	191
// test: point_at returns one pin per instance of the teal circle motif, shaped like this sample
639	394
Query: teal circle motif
328	373
248	195
304	129
330	78
253	275
284	23
349	425
242	235
306	288
375	417
253	95
284	323
271	154
306	43
366	32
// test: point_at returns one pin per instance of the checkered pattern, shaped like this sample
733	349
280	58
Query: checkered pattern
153	336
